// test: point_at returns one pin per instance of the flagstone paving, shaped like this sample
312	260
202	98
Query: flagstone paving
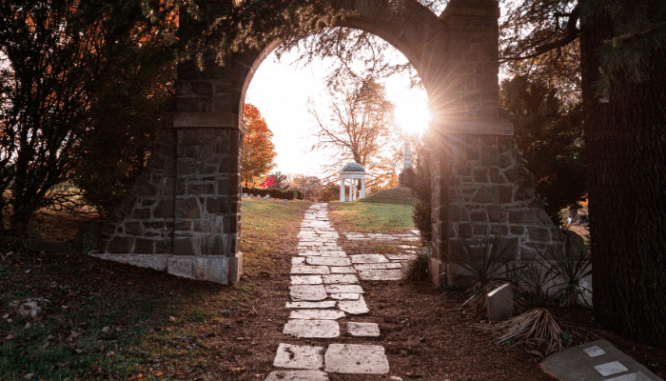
325	291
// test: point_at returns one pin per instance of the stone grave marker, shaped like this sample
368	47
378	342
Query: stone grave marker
499	303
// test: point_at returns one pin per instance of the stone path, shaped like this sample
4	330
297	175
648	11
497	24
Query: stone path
414	236
324	291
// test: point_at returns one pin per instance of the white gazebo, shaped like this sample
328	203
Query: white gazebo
352	171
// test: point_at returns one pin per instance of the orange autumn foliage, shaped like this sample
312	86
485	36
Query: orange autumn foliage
258	149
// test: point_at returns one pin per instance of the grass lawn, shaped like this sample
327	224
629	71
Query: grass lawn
371	218
397	195
106	320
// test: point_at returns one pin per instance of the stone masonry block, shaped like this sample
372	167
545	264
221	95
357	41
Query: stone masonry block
465	230
184	246
480	175
164	209
524	193
521	217
223	186
120	245
217	205
200	189
480	229
539	234
479	215
487	195
187	208
490	157
144	246
141	214
515	174
517	230
133	228
494	213
506	194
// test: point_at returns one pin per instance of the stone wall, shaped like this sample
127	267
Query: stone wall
183	214
479	189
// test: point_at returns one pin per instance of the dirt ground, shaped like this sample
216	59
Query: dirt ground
425	336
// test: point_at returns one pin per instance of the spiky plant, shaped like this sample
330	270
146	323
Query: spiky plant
418	268
570	264
483	261
535	327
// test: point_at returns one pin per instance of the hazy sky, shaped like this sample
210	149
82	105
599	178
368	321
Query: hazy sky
280	91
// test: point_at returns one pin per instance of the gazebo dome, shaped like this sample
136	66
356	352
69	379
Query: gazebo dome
353	167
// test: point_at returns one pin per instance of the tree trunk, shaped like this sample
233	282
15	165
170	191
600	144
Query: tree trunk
625	141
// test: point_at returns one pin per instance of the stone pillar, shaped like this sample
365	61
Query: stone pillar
342	189
352	185
183	215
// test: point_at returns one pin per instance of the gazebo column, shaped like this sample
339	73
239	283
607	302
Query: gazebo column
363	187
353	190
342	189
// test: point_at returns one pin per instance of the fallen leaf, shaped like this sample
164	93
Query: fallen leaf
158	373
9	337
171	318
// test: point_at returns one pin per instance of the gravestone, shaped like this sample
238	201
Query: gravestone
285	201
499	303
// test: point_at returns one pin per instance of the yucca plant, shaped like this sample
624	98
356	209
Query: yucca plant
535	280
570	264
536	327
484	261
418	268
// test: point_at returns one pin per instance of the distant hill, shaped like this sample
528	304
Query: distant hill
398	195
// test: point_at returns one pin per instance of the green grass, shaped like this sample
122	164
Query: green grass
263	222
371	217
267	217
111	329
397	195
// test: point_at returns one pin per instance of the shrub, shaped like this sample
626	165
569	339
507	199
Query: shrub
483	260
420	186
289	194
418	269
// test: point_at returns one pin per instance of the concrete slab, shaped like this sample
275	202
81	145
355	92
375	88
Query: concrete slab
378	266
368	258
297	261
354	307
345	296
324	304
357	359
332	253
342	270
304	269
339	279
363	329
344	289
306	279
297	375
316	314
327	261
307	293
315	329
595	361
400	257
380	274
298	357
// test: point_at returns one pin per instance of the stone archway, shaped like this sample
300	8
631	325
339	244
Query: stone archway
183	215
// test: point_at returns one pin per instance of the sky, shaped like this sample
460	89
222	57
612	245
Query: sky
280	91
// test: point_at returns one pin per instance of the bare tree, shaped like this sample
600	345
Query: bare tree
359	127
